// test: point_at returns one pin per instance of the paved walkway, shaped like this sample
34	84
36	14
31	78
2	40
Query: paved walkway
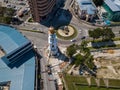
55	64
116	53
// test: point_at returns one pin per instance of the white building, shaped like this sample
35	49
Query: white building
85	9
53	48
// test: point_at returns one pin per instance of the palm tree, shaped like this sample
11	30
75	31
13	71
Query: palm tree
89	62
71	50
79	59
82	46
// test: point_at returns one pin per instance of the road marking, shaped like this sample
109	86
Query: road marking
79	30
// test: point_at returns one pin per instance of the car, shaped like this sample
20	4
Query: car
83	37
34	28
73	40
81	72
49	71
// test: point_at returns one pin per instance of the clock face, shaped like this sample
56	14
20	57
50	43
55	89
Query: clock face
52	46
52	40
52	36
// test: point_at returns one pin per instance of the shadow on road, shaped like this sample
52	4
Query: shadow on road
103	44
58	16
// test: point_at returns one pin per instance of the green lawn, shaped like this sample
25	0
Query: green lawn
91	88
113	82
70	80
93	81
70	37
74	83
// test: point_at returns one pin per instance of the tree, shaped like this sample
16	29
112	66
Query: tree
82	46
98	2
94	34
79	59
71	50
89	61
7	20
2	11
87	52
91	34
97	33
108	34
9	12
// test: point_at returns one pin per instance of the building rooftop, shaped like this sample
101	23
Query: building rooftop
87	5
114	5
11	39
16	66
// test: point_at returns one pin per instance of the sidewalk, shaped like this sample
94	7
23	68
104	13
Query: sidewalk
55	66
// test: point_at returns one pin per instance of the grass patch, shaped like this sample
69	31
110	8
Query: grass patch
115	23
93	81
80	83
70	80
76	79
37	31
102	82
78	87
100	40
116	39
113	82
30	20
69	37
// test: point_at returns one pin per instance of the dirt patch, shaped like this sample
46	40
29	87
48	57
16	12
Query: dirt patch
110	68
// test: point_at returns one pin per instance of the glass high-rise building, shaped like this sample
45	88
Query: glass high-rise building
40	9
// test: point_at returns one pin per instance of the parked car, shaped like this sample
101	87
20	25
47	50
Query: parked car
83	37
49	71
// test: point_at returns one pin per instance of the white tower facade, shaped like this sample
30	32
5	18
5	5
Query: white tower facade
52	41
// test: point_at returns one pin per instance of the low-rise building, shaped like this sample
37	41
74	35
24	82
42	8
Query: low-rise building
112	7
84	9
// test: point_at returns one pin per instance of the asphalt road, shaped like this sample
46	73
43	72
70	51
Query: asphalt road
40	41
47	85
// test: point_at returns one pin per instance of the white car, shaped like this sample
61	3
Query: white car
73	40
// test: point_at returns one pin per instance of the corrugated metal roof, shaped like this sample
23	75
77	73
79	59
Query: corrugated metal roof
10	38
22	76
114	5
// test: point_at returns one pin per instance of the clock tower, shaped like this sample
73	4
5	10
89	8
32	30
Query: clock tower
52	41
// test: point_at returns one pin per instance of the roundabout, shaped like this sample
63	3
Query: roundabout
66	32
